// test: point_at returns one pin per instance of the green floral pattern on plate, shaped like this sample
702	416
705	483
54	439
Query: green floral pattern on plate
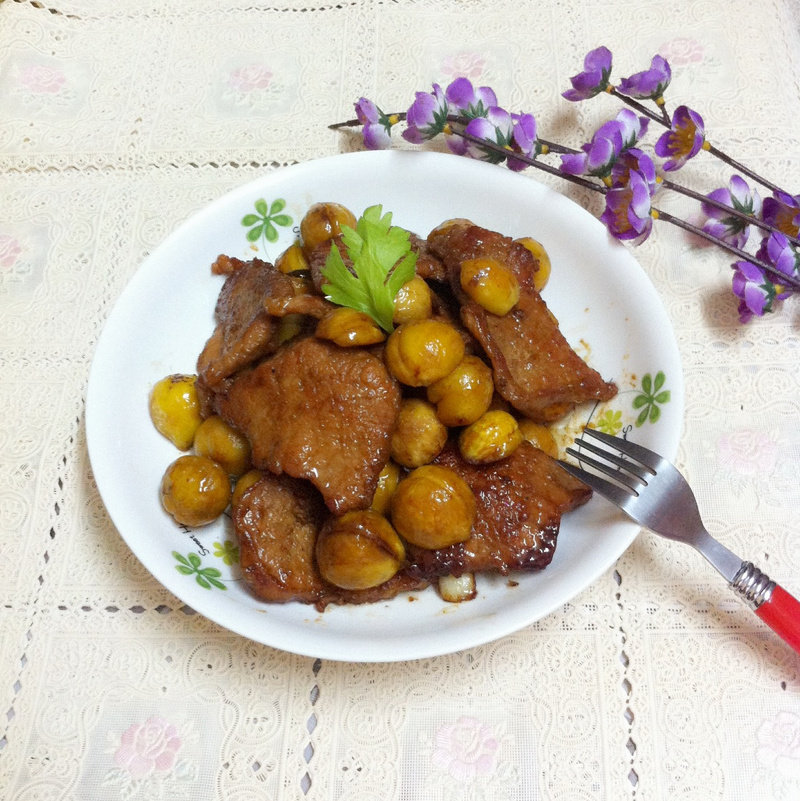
647	402
263	224
191	565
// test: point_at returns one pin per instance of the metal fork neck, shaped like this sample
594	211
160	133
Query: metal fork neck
752	585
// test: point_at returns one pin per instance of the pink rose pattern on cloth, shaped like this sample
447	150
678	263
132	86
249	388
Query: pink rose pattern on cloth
42	79
779	745
151	759
465	749
10	251
148	748
470	65
682	50
748	452
251	78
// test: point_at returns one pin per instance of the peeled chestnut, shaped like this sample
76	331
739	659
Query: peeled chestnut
219	441
292	260
349	328
433	507
359	550
463	395
413	301
175	409
542	274
419	435
423	351
387	484
491	284
243	483
195	490
492	437
540	436
324	221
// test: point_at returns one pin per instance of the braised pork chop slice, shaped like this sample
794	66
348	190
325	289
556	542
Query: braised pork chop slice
535	368
320	412
276	523
244	331
254	294
519	504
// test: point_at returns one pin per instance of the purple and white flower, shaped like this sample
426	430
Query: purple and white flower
778	251
467	101
684	140
524	140
634	160
608	143
728	227
594	78
782	210
377	130
628	213
427	116
755	291
496	127
648	84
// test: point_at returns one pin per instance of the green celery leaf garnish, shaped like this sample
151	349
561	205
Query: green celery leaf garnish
382	262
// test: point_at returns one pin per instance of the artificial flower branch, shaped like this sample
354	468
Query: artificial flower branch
600	188
664	119
785	280
750	219
614	165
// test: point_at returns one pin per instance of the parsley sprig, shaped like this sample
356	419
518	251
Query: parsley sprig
382	261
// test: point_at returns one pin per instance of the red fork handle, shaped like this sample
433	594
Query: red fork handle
781	612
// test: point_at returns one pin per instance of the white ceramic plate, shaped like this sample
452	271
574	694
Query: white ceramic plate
607	308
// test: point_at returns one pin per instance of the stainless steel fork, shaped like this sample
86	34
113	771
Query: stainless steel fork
651	491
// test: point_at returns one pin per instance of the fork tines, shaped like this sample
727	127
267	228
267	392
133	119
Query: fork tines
624	465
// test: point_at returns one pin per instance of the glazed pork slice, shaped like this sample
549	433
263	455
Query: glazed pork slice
276	523
320	412
535	368
254	294
461	240
244	331
520	501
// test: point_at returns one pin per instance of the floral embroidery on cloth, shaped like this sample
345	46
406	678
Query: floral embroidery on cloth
465	749
779	745
148	762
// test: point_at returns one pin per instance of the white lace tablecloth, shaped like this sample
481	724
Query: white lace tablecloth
119	120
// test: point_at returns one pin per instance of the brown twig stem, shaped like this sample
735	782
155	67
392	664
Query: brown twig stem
782	278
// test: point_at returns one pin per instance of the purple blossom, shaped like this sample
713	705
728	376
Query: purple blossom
609	141
634	160
377	126
632	127
628	212
649	84
780	253
594	78
524	140
722	224
783	211
684	140
497	127
427	116
755	291
464	99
